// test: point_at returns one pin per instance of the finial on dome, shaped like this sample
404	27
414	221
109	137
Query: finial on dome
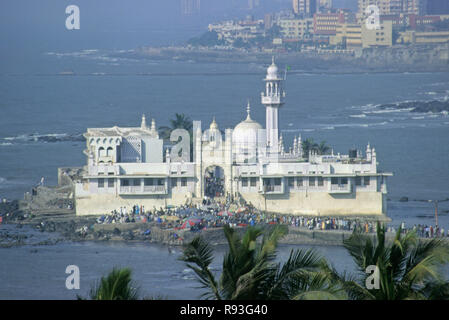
153	125
272	59
143	124
213	124
248	111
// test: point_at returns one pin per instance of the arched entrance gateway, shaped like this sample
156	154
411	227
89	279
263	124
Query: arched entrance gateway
214	182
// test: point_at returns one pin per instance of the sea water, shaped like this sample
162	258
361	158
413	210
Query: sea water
44	113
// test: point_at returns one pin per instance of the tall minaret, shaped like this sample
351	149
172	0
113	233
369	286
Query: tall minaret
273	99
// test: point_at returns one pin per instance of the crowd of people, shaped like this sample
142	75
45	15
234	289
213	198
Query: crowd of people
213	214
214	187
426	231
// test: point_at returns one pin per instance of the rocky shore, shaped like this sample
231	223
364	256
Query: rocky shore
55	227
422	58
48	218
434	106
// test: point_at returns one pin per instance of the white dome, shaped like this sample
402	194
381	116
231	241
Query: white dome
272	71
246	131
245	139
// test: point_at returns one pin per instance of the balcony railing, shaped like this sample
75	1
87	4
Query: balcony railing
154	189
272	189
340	188
272	99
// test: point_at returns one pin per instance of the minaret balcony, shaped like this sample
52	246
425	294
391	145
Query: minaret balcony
272	100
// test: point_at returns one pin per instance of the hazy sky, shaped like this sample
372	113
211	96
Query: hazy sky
39	25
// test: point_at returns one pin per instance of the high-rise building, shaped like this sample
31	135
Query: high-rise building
189	7
325	4
252	4
385	6
326	23
305	7
381	37
414	7
268	21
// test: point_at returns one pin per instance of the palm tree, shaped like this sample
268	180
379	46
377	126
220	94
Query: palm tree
117	285
181	121
307	145
250	271
322	148
310	145
408	268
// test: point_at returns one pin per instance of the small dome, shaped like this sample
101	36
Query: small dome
213	125
272	71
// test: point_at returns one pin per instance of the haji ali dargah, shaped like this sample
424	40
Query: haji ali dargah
129	166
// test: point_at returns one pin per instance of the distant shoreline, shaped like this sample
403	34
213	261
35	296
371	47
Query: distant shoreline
413	59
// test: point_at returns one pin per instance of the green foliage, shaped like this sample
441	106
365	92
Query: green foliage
181	121
274	32
251	273
117	285
207	39
240	43
310	145
409	268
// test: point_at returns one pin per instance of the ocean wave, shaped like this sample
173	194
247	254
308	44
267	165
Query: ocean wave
4	144
51	137
2	180
388	110
365	107
358	115
297	130
361	125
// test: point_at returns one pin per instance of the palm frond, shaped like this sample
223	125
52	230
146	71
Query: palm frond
117	285
198	256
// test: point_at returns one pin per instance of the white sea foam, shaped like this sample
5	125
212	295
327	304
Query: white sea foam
365	107
388	111
418	118
5	144
358	115
50	137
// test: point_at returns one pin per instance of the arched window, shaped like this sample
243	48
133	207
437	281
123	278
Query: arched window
101	152
109	151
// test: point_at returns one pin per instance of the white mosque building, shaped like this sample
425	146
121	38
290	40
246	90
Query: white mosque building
128	166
